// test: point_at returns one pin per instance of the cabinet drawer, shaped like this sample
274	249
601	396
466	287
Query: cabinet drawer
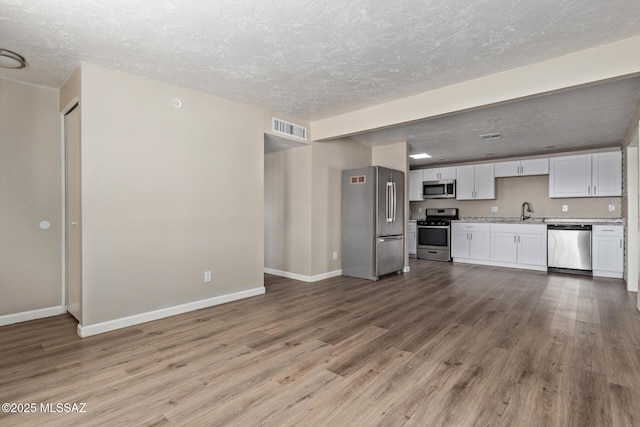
470	226
608	230
519	228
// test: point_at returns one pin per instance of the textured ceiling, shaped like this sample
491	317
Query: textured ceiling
591	117
309	59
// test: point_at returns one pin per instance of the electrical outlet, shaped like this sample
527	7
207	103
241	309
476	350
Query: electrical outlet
494	209
612	208
207	276
335	255
565	208
419	210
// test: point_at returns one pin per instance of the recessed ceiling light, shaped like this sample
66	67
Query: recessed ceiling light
11	60
490	136
419	156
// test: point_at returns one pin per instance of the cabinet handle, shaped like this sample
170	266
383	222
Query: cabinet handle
620	243
589	190
518	238
604	229
471	235
514	238
594	190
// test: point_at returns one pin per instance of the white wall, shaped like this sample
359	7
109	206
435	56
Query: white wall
303	195
30	192
328	162
287	210
167	194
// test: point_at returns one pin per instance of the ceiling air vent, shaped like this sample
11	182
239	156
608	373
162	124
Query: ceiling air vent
490	136
286	128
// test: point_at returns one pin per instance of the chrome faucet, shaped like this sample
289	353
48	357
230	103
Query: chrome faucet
529	211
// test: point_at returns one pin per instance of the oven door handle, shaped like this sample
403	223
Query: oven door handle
442	227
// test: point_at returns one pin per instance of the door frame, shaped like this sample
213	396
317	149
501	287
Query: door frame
75	103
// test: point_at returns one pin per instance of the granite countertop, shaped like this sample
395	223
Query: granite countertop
538	220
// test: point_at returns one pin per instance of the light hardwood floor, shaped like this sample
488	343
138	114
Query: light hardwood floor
454	345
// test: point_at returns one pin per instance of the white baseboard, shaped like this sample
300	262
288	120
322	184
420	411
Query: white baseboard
500	264
24	316
111	325
610	274
301	277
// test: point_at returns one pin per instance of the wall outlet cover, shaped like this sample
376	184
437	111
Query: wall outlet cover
494	209
207	276
612	208
565	208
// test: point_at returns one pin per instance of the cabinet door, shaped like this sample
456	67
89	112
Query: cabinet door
465	182
485	181
459	242
507	169
608	250
431	174
448	173
570	176
608	253
607	174
412	238
503	246
480	245
415	185
534	167
532	249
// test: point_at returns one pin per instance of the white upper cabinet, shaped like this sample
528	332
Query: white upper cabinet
586	175
522	168
570	176
475	182
415	185
606	174
437	174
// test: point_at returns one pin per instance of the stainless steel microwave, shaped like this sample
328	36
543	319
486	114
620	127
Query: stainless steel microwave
444	189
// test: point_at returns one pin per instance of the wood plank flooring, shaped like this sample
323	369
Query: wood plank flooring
443	345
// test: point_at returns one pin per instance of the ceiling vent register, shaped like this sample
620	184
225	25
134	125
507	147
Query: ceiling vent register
490	136
286	128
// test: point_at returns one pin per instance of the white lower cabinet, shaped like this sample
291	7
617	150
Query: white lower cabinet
413	237
523	244
470	240
505	245
608	250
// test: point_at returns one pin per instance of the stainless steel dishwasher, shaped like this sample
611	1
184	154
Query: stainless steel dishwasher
569	249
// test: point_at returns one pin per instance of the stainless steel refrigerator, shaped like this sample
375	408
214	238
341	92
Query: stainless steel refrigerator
372	222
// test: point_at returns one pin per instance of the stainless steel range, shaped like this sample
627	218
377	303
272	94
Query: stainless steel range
434	234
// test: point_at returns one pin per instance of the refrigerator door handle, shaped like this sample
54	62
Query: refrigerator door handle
389	201
395	202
